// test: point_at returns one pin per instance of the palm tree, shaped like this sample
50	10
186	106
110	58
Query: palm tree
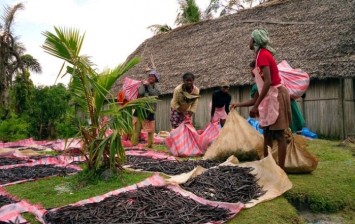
90	90
8	54
12	60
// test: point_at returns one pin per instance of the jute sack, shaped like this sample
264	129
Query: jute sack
268	175
238	138
298	159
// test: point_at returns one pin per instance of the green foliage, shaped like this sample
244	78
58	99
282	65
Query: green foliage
189	12
49	108
69	128
22	93
13	61
13	129
158	29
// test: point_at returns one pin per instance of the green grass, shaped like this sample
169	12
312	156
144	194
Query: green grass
58	191
30	218
160	148
328	189
48	153
331	187
275	211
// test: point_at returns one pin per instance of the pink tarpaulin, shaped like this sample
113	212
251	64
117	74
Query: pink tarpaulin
20	143
60	161
59	144
295	80
157	180
186	141
149	153
12	212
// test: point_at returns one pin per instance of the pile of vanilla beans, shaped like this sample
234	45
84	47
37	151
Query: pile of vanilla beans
4	161
32	172
149	204
170	167
225	183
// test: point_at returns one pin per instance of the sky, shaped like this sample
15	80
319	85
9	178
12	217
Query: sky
113	28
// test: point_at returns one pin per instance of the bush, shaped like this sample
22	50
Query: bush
13	129
67	129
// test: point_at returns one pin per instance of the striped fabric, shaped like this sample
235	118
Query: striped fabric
185	141
130	88
296	81
11	213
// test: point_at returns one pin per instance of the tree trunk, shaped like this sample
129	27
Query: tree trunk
4	98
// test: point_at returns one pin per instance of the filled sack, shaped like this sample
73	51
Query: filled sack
296	81
185	141
298	159
238	138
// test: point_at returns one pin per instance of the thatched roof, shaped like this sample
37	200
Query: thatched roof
317	36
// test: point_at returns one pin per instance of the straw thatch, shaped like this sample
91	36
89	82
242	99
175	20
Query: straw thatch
317	36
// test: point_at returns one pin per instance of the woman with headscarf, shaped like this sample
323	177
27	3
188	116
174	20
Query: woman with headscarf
272	101
148	87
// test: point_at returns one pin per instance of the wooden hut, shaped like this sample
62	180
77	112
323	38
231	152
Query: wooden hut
317	36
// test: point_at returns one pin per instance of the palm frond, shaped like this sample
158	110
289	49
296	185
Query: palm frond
157	29
65	44
9	15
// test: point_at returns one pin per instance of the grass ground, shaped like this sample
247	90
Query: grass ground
328	192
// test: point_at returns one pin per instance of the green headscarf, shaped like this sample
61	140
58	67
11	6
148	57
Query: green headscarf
261	40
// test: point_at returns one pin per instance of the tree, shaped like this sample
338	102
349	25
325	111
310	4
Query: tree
157	29
22	93
8	54
12	60
30	63
49	105
189	12
226	7
22	86
90	91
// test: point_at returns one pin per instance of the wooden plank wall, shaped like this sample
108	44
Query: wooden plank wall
321	107
328	108
349	107
203	114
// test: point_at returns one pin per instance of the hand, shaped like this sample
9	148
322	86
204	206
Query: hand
188	113
233	106
254	112
187	118
145	82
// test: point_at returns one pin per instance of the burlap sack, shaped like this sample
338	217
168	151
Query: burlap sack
298	159
238	138
268	174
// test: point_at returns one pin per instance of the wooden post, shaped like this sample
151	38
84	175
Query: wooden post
341	108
